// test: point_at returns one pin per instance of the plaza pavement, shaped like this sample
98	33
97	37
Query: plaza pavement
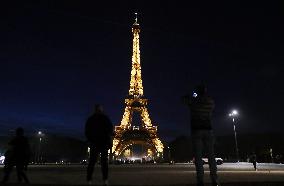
230	174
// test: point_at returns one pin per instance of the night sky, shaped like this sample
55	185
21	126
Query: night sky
58	60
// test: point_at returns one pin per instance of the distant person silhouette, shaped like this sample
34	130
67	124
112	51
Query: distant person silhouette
98	131
18	155
253	160
201	107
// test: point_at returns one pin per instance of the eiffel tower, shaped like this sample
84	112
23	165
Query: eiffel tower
127	135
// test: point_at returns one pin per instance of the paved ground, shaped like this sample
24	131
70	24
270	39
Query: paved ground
230	174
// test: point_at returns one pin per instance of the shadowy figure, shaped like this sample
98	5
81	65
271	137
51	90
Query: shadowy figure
201	107
18	155
253	160
99	131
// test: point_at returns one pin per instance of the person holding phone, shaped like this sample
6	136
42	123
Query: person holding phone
201	107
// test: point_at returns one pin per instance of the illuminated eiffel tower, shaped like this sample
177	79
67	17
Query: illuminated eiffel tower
127	135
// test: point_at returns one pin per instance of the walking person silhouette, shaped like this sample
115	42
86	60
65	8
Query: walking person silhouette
253	160
18	155
99	132
201	107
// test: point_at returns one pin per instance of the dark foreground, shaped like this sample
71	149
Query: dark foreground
230	174
223	184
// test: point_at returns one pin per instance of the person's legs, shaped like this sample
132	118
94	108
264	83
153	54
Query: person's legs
7	171
21	174
92	161
197	145
209	145
25	177
104	164
254	165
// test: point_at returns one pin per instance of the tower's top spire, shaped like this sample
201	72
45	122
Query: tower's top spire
136	19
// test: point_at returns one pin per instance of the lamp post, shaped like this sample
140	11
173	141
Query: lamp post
40	135
233	115
169	155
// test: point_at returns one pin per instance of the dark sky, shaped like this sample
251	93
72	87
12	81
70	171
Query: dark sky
58	60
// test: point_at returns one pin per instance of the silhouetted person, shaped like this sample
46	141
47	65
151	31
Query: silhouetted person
201	107
18	155
253	160
99	131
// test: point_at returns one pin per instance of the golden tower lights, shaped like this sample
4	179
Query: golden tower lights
135	102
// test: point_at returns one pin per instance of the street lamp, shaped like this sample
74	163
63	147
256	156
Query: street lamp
40	134
233	115
169	155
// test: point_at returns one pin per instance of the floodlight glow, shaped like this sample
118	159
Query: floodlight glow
233	113
2	159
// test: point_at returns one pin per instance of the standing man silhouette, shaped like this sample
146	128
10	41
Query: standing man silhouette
253	160
17	155
99	132
201	107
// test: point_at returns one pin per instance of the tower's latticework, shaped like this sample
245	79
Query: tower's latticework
126	134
